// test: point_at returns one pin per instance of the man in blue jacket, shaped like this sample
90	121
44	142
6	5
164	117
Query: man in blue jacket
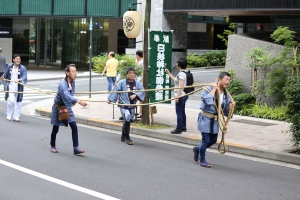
127	111
208	119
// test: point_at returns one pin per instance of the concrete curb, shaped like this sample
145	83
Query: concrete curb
190	140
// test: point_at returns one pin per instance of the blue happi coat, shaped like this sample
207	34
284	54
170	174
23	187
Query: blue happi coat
124	98
64	96
22	74
207	105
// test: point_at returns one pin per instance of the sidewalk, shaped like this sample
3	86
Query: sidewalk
246	135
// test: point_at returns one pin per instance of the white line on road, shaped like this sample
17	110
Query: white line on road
57	181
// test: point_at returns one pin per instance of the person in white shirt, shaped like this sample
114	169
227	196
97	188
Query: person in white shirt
180	81
16	73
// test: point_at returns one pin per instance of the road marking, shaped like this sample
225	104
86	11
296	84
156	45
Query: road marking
57	181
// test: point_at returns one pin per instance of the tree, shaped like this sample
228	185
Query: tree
226	33
288	57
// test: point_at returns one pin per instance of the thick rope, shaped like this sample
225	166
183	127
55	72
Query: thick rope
105	92
221	117
222	121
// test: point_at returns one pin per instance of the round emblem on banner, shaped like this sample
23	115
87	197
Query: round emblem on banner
128	24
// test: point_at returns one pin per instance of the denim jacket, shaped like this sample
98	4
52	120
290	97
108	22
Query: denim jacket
207	105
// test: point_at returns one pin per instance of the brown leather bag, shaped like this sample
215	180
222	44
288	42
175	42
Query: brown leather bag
63	113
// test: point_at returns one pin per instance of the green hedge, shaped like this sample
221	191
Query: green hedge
292	96
211	58
264	111
243	99
99	63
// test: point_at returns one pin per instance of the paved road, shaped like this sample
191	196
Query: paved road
147	170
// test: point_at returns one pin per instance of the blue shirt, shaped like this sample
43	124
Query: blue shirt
64	96
123	85
207	105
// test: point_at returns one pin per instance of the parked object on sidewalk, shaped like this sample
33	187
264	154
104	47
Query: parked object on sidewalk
181	98
64	98
127	99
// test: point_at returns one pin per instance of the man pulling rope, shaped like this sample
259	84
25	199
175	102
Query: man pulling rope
216	103
219	111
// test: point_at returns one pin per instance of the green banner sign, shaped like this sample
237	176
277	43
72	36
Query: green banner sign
160	58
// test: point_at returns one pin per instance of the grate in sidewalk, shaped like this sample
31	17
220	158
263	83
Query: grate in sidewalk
245	121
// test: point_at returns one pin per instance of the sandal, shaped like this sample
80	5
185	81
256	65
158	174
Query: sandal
53	150
205	164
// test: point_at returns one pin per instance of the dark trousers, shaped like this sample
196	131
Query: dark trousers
73	126
126	129
208	140
180	112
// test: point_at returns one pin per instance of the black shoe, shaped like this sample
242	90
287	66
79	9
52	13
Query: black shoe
196	154
78	151
129	141
184	129
176	131
120	118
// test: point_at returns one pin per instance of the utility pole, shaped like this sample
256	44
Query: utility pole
91	53
145	109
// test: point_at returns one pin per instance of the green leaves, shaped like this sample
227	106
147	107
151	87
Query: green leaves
292	95
243	99
226	33
235	85
284	36
211	58
125	61
264	111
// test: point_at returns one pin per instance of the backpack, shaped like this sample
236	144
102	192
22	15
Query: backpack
189	82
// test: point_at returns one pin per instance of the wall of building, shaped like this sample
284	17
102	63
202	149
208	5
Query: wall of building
6	45
114	26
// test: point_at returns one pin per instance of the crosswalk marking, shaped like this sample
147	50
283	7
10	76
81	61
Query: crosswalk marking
28	97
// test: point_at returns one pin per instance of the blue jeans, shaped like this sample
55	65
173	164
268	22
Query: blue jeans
180	112
110	82
73	126
207	141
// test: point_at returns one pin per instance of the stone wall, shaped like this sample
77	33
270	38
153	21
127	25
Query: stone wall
238	46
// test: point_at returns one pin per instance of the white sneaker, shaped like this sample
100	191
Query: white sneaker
8	118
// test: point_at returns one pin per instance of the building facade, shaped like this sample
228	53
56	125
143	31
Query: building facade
54	33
